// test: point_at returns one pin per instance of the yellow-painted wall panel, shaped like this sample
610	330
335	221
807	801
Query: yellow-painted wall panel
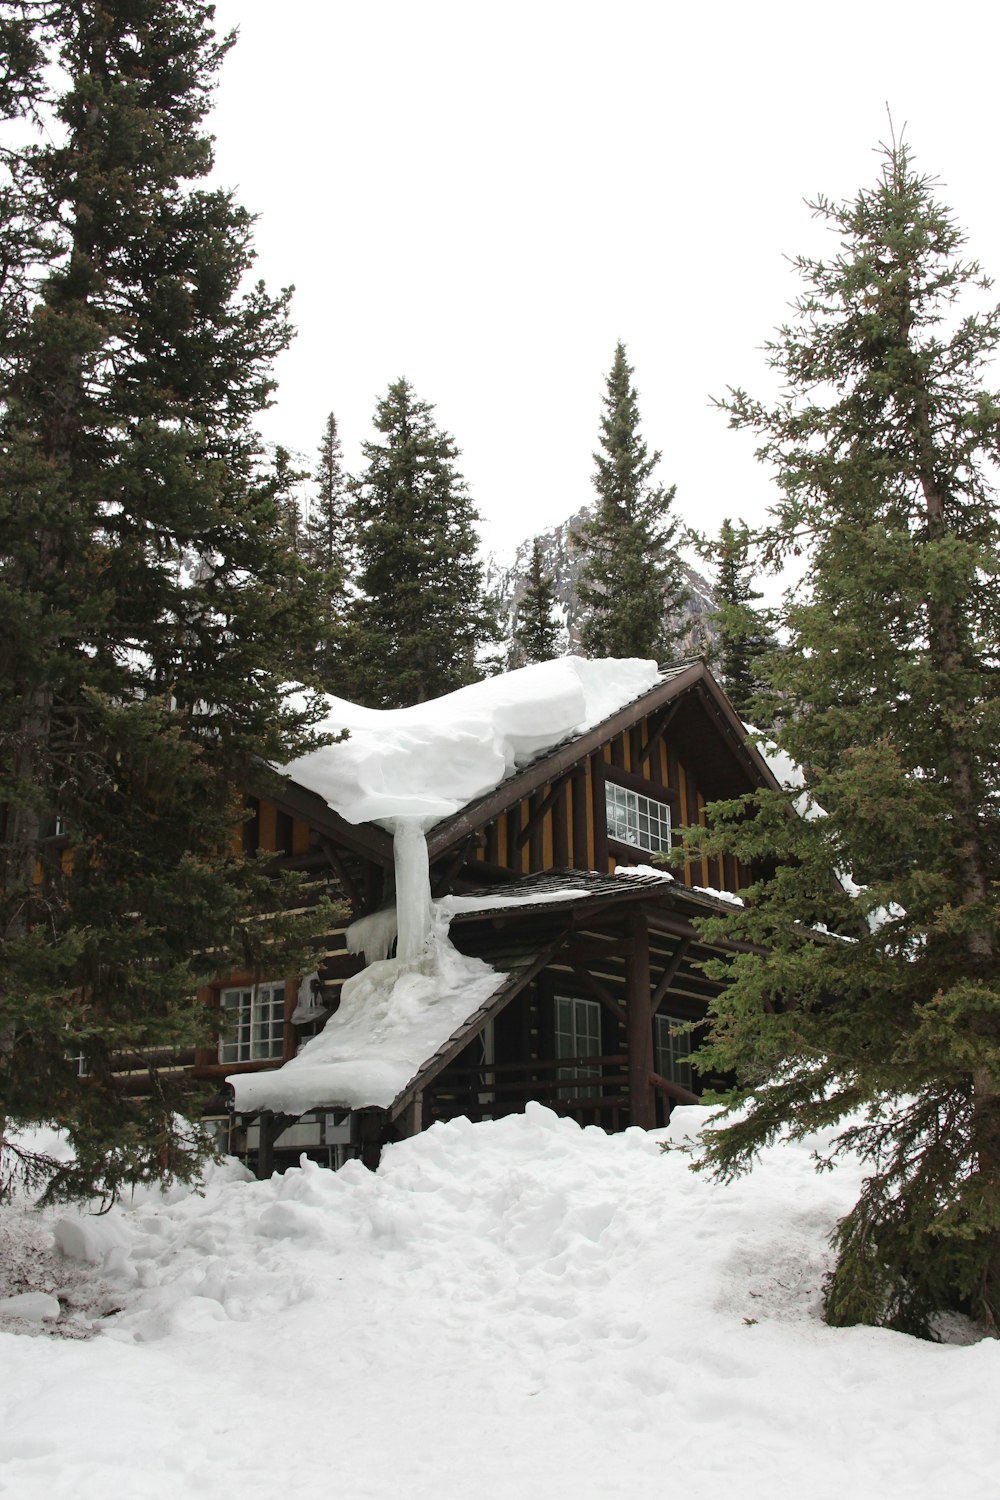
268	839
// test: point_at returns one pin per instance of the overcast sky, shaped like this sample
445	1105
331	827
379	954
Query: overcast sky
485	197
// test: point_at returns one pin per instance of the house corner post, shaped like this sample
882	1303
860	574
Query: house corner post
642	1100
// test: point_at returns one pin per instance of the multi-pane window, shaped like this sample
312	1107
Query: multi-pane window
253	1025
635	819
672	1051
578	1034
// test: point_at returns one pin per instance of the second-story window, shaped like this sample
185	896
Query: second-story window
634	819
253	1022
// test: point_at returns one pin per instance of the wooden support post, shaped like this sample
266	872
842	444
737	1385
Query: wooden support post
642	1102
581	854
411	1121
599	813
367	1128
269	1129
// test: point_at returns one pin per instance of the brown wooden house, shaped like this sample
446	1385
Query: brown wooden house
596	985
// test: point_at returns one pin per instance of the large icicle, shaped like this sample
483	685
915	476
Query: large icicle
413	888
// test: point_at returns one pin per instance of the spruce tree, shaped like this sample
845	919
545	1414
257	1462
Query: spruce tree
535	631
632	583
422	612
150	606
328	548
328	533
885	447
744	636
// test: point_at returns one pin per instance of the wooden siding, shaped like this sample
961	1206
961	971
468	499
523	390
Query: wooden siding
272	832
563	825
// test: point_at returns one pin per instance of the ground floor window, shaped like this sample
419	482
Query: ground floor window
672	1050
253	1022
635	819
578	1034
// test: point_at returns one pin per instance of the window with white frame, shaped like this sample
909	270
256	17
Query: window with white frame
253	1025
578	1034
672	1050
635	819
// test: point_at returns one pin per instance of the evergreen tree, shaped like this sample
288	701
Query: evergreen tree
535	630
632	584
285	482
884	446
328	547
150	606
743	633
328	529
422	611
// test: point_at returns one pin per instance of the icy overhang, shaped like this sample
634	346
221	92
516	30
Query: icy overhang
429	761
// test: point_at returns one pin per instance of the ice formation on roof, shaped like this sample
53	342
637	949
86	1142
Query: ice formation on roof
393	1016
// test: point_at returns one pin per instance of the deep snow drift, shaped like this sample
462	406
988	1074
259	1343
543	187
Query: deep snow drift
513	1309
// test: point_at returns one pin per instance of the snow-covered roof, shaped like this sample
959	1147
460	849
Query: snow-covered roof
431	760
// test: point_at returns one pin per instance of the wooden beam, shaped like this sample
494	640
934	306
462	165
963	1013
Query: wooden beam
585	953
344	875
443	881
670	974
639	1026
411	1119
599	992
557	790
360	838
536	835
656	736
673	1091
599	813
581	855
560	828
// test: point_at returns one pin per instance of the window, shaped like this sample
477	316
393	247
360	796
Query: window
672	1051
635	819
253	1022
578	1034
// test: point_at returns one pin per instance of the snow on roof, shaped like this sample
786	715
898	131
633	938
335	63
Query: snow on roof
431	760
393	1016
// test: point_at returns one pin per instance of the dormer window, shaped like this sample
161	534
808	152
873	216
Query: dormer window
636	820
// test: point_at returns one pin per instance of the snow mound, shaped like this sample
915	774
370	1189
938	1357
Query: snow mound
551	1310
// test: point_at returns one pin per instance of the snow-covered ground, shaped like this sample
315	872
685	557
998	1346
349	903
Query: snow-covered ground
518	1310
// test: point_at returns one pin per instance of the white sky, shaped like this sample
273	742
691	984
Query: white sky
484	198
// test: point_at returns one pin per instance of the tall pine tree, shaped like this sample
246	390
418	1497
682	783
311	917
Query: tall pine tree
885	448
536	632
150	605
422	613
632	584
744	636
328	547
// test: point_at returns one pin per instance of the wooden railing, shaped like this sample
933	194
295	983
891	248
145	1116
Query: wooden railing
591	1090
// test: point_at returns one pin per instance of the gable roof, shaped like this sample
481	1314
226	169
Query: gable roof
687	680
689	687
